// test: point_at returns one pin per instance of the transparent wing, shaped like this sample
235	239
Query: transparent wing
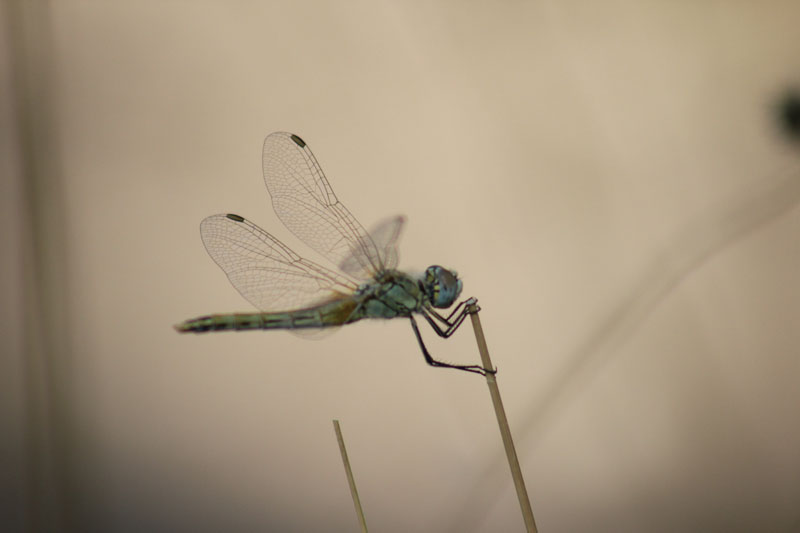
265	271
306	204
385	236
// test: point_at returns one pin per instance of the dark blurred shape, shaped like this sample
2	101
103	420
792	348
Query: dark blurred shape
789	115
50	501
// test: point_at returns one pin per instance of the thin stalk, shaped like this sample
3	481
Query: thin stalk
350	479
502	421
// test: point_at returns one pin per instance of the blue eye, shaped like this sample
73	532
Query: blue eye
442	286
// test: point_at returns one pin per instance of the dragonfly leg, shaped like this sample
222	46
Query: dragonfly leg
460	311
477	369
444	333
468	302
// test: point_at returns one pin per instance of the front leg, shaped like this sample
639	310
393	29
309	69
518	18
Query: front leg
459	310
477	369
462	310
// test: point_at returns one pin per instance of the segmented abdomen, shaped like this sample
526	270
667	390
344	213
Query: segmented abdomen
334	313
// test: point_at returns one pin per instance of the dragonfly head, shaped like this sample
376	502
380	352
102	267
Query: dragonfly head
441	285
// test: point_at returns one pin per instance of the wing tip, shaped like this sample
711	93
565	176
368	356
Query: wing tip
297	140
280	136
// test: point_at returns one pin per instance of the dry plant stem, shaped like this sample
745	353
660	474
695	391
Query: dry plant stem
502	421
350	479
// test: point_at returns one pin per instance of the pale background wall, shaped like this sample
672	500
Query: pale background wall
607	178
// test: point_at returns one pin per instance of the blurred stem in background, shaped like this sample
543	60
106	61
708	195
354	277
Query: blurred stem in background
45	355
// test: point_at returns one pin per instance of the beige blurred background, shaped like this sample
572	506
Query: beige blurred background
609	180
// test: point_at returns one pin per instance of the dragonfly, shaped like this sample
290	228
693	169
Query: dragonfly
296	294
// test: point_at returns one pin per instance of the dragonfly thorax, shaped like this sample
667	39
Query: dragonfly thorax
365	289
441	286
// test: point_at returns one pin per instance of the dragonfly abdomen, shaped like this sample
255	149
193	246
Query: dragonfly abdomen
330	314
237	321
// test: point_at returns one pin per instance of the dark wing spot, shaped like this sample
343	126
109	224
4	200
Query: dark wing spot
298	141
235	218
